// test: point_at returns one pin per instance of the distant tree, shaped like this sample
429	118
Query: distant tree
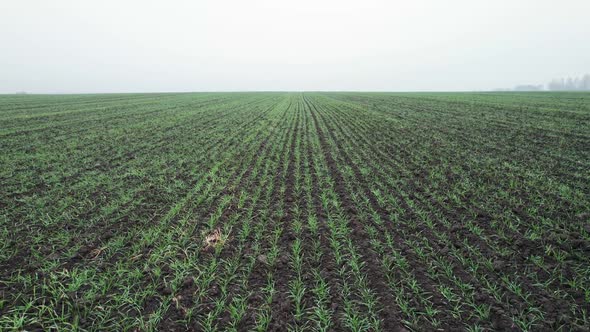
555	85
570	84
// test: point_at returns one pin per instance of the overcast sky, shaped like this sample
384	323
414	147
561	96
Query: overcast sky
71	46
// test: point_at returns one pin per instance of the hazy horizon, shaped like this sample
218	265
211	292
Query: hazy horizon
182	46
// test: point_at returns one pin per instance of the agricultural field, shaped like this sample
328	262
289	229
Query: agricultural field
295	211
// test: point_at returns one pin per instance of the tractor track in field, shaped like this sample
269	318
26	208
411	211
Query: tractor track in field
388	315
281	304
258	278
327	263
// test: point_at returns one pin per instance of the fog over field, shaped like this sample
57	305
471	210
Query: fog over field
67	46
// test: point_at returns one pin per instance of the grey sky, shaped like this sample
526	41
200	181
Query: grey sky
71	46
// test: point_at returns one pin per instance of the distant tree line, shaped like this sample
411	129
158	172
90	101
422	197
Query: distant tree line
528	87
558	84
570	84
